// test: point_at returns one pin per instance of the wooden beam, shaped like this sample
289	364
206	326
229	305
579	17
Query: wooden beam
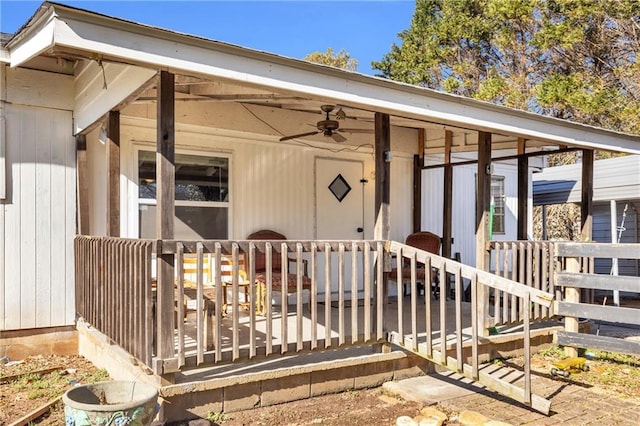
611	344
447	205
483	201
418	163
83	226
523	191
504	158
113	170
165	172
586	207
382	153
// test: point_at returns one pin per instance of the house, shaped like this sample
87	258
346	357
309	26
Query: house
127	148
616	190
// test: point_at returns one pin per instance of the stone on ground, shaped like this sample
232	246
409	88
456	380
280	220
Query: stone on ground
405	421
472	418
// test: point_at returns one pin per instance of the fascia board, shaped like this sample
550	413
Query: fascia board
5	58
161	49
28	47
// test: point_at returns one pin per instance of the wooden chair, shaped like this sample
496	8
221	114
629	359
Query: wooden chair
226	279
277	279
426	241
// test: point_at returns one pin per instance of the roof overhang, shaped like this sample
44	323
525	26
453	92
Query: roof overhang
69	32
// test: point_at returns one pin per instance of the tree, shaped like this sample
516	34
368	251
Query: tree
341	59
571	59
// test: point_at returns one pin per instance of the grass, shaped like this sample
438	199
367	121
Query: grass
609	372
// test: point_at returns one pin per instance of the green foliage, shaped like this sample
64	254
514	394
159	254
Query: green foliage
216	417
341	59
571	59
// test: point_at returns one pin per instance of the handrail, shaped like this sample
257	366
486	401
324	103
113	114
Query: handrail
538	296
431	266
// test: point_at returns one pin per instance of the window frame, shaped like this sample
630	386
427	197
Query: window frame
183	203
502	196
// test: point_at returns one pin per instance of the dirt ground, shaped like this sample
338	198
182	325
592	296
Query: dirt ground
29	384
23	389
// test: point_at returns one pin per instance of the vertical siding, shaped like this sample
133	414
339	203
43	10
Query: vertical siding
464	206
39	219
401	198
273	187
272	184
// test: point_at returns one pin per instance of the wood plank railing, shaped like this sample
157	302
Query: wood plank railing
573	307
527	262
114	292
337	301
347	271
434	339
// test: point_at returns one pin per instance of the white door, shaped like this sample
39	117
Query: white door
339	199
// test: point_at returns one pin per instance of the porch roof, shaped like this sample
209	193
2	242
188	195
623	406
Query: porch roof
74	34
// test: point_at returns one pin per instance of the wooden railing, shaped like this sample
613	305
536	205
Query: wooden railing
430	337
572	306
232	337
336	302
114	292
527	262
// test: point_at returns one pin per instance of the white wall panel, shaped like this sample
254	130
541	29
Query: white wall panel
401	197
97	175
45	89
272	184
39	219
464	204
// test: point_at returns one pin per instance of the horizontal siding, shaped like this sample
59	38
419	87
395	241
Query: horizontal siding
39	219
613	179
602	234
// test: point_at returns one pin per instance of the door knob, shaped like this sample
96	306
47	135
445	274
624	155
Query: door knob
360	230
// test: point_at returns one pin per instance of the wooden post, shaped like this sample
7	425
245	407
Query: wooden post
381	232
165	172
113	170
382	152
482	225
418	163
447	205
82	178
586	207
523	191
571	295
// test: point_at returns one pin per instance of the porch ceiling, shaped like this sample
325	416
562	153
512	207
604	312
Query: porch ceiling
210	72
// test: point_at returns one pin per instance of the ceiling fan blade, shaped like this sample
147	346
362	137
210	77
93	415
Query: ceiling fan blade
338	137
300	135
355	130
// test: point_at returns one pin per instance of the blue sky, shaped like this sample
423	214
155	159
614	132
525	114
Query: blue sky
365	29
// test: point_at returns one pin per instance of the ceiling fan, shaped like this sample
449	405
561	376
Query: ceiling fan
327	127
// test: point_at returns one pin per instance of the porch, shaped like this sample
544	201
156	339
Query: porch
351	314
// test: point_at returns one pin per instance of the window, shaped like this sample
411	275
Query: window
202	196
498	198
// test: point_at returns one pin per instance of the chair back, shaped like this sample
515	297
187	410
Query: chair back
261	260
190	268
226	270
424	240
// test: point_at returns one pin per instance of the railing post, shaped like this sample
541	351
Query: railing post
571	295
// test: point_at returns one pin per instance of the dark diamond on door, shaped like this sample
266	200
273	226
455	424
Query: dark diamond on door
339	187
